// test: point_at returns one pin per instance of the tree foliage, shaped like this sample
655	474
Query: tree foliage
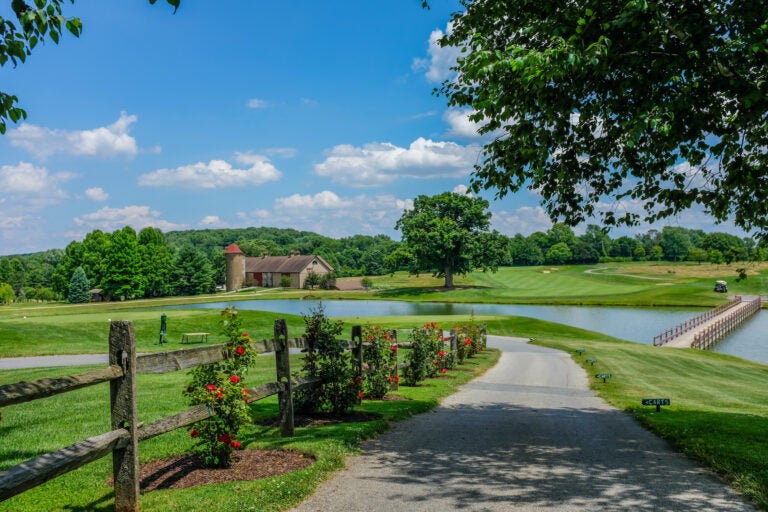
79	287
657	102
447	235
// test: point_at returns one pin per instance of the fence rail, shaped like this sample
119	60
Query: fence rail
715	332
122	441
692	323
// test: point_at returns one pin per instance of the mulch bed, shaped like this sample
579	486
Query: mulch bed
188	470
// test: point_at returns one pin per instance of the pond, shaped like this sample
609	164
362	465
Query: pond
633	324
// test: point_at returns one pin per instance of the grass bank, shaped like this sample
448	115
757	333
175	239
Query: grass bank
719	404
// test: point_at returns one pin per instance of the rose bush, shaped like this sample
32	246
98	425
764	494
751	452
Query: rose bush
219	386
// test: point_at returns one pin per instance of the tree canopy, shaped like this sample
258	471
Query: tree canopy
655	106
33	24
449	234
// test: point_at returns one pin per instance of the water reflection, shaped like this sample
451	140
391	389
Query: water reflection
638	325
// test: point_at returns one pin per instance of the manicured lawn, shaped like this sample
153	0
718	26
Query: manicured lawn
62	332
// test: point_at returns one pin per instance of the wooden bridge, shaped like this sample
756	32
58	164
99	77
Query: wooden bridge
708	328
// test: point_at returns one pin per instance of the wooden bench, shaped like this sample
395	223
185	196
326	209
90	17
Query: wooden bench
190	337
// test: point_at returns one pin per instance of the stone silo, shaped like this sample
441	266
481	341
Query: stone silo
235	267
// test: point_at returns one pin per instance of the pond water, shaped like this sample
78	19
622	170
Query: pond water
749	341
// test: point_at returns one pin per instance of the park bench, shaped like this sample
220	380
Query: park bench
190	337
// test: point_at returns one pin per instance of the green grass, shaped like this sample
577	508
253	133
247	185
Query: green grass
64	332
616	284
34	428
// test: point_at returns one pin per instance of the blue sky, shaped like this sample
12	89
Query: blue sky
310	115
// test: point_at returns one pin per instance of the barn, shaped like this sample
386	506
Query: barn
268	271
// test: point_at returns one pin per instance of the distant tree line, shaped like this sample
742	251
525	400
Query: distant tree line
127	265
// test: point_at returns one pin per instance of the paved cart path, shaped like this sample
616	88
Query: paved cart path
528	435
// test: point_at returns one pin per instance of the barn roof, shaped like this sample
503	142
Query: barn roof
283	264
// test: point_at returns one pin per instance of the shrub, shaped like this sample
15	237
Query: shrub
285	282
366	283
378	356
219	386
326	358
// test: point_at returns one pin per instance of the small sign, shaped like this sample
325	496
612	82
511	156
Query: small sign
655	401
580	351
591	361
658	402
603	376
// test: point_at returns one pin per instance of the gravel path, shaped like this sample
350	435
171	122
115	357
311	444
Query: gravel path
528	435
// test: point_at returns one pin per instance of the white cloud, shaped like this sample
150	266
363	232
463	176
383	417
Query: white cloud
440	60
215	174
105	141
325	200
96	194
257	103
29	185
381	163
524	220
329	214
138	217
211	221
462	189
459	123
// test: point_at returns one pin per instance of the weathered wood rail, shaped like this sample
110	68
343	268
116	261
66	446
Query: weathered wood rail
693	323
122	441
711	334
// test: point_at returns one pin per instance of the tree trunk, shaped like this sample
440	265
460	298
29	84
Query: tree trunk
449	278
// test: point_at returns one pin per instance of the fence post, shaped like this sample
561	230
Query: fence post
357	352
395	373
125	458
455	345
283	365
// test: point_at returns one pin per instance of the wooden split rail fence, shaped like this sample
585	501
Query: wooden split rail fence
715	332
122	441
692	323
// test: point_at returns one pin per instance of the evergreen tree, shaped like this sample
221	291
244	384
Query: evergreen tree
192	274
79	287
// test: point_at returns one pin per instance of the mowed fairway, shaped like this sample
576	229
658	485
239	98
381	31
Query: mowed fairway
615	284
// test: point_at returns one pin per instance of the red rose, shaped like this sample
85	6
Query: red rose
445	370
234	379
442	353
194	433
224	438
235	444
210	387
389	379
397	379
240	350
360	394
245	335
394	348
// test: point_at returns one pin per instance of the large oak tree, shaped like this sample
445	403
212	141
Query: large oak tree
448	234
661	103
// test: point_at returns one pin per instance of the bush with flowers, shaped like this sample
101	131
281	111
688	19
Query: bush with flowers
219	386
326	359
378	355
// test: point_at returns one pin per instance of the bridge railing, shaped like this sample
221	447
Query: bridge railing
715	332
692	323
